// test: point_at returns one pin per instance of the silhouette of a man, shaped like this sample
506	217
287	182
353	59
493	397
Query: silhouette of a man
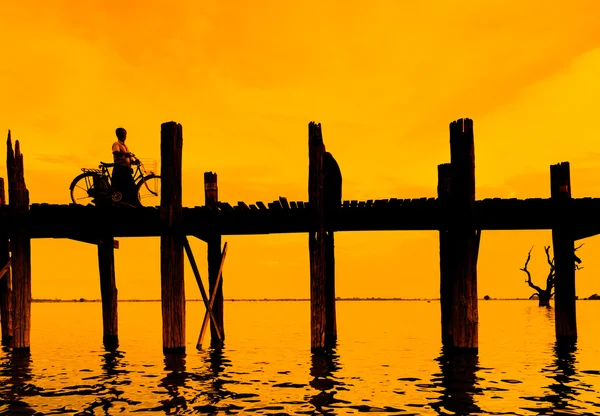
122	174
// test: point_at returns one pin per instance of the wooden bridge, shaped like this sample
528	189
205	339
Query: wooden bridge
456	214
80	222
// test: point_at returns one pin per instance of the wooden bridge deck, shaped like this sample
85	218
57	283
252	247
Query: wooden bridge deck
88	222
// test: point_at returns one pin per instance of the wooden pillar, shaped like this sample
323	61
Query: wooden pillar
316	238
332	195
211	197
5	281
171	244
20	245
564	255
446	273
108	292
463	236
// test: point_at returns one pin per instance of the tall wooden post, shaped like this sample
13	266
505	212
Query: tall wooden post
5	281
446	270
108	292
332	202
171	244
211	197
316	238
564	255
20	245
463	236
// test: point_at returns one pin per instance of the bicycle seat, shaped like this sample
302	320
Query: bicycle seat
108	165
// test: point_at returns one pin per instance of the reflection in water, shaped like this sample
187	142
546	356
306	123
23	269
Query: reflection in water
15	371
324	365
173	382
566	385
458	381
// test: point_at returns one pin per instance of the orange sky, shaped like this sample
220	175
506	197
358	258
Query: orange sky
383	78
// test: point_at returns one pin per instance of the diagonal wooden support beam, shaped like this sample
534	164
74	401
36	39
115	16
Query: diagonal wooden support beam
212	299
5	268
190	255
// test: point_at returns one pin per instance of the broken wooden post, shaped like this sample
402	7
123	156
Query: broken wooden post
316	237
171	247
446	272
211	197
463	236
332	202
564	254
20	246
108	292
5	280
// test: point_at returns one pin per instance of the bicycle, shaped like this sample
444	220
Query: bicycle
95	185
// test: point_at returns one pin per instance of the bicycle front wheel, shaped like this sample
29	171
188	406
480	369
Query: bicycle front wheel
149	190
82	188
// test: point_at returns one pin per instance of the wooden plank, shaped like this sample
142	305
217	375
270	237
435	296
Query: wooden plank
346	204
190	255
243	205
369	203
293	205
215	283
301	204
362	204
463	236
6	279
353	203
284	203
261	205
563	246
20	247
316	241
171	248
213	296
108	293
253	207
446	271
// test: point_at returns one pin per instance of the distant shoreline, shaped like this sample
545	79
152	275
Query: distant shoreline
81	300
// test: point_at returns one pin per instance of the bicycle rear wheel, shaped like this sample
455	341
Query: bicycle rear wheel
149	190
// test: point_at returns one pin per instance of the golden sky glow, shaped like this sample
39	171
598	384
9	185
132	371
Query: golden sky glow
385	78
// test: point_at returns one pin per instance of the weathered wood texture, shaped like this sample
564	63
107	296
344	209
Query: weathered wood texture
446	274
463	236
211	197
20	245
108	292
564	254
316	237
5	280
332	198
171	246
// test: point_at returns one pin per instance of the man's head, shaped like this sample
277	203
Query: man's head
121	134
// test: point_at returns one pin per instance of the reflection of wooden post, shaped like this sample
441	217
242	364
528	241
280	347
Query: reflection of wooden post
446	276
108	292
316	237
565	317
5	281
463	236
211	197
171	247
21	248
332	195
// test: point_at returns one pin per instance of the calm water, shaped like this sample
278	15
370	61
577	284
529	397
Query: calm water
387	360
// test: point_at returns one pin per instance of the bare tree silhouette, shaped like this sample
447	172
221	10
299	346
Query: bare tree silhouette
544	295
